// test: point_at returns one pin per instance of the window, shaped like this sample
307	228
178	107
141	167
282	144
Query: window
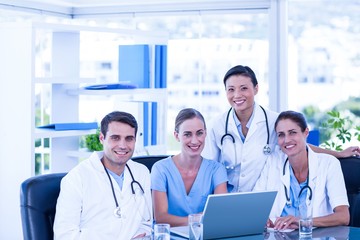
201	49
324	59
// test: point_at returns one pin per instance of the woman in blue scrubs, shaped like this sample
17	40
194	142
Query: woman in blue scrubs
181	183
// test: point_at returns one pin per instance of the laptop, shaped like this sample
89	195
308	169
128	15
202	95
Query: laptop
233	215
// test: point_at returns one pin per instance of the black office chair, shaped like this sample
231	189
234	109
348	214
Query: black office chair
149	160
351	170
38	197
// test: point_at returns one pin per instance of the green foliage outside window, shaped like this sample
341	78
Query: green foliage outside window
343	128
92	141
337	127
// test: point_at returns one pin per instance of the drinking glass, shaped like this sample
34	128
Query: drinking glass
162	231
195	227
305	227
305	222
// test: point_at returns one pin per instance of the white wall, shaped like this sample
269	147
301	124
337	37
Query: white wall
15	107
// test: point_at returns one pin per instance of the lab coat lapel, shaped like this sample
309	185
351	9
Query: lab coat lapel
232	128
258	118
313	169
285	181
127	181
95	160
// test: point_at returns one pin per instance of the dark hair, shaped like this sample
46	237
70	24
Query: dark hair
185	114
118	116
243	71
296	117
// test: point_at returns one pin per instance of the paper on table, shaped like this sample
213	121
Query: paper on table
269	229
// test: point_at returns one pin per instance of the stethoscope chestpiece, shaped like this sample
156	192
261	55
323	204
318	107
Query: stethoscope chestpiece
267	149
117	212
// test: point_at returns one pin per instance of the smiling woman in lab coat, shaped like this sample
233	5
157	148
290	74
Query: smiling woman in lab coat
244	137
308	183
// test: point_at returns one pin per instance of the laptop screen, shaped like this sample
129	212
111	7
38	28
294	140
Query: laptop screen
234	214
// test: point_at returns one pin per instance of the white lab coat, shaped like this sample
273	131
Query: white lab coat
325	179
249	154
85	207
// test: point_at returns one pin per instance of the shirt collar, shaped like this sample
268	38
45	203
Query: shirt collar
237	121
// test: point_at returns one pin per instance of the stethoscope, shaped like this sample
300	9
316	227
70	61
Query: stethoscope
288	200
117	211
266	149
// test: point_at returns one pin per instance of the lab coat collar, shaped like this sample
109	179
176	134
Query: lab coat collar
232	128
95	159
257	118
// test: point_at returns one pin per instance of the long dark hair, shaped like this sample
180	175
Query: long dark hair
296	117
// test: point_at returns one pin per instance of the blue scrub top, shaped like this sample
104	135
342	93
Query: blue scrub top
165	177
298	203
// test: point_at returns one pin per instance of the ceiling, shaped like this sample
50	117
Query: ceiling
87	8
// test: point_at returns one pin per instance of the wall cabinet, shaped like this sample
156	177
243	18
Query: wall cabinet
19	80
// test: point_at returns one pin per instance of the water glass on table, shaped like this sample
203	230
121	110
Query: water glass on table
305	227
162	231
195	226
305	222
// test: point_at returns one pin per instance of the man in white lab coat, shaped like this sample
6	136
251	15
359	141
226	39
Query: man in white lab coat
108	195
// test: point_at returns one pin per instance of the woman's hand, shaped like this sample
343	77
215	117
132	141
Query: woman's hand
286	222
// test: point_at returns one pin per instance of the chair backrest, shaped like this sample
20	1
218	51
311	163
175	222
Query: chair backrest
314	137
149	160
351	170
38	197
